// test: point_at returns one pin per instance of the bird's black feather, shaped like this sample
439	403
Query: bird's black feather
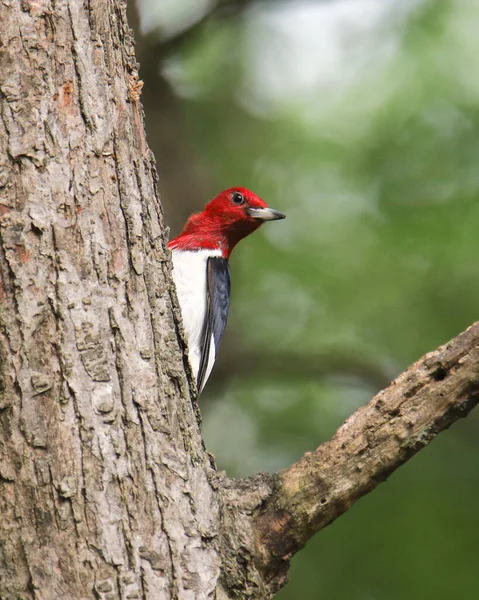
217	307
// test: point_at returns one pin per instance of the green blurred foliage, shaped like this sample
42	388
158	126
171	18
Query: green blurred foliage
377	169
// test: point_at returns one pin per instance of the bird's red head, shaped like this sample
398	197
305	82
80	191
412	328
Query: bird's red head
228	218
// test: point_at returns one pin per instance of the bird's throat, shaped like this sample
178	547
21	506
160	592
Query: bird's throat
223	239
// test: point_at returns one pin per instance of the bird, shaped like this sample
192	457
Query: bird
201	272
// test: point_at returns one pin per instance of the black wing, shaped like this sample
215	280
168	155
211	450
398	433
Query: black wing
217	306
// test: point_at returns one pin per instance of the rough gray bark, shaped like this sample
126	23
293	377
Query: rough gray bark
106	490
103	477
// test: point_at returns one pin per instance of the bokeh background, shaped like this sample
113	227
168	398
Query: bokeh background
360	120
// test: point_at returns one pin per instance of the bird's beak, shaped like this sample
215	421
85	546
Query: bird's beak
265	214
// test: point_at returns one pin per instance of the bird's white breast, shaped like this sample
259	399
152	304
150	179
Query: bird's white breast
189	274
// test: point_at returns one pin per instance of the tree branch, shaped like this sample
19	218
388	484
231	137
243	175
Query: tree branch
440	388
248	364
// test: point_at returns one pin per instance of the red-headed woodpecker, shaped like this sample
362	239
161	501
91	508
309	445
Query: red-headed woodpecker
201	269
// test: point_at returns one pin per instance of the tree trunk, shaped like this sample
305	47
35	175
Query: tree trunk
103	477
106	490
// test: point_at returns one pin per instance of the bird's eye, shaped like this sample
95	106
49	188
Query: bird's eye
237	198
